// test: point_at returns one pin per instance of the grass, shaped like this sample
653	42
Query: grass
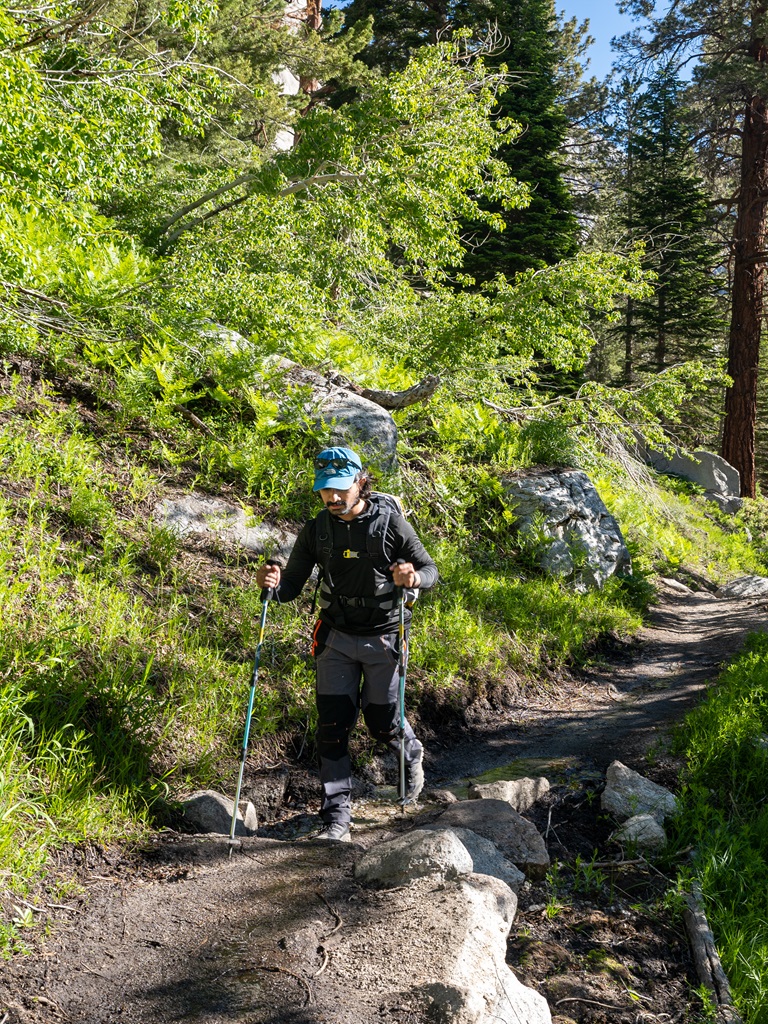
725	818
487	619
670	527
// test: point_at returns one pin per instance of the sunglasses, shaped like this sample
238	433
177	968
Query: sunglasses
339	463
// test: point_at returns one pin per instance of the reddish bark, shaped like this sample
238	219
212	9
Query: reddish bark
747	292
313	19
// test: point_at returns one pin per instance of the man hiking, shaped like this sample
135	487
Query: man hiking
364	548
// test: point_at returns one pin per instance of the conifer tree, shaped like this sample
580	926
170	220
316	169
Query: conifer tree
730	43
667	208
545	232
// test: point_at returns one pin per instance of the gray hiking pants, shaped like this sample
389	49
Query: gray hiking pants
342	662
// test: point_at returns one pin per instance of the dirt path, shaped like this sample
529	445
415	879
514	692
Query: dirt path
181	931
623	708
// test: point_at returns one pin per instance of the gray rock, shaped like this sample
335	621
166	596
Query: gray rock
347	419
520	794
627	794
676	585
643	831
476	985
704	468
571	527
456	935
208	811
486	858
745	586
440	796
414	855
228	340
517	839
557	559
199	515
356	422
728	503
719	478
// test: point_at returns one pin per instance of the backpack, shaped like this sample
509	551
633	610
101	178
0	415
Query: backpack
388	505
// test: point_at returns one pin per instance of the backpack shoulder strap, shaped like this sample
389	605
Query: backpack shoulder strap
323	550
388	506
323	539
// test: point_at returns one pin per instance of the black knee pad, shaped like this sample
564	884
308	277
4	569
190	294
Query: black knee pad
381	720
337	715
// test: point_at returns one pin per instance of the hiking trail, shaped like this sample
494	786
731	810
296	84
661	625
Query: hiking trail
181	930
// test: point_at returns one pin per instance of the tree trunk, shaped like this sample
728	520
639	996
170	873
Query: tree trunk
313	19
661	329
747	293
628	342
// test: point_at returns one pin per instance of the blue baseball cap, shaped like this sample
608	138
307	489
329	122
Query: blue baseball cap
336	467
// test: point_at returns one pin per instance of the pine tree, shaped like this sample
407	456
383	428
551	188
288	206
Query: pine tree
400	28
545	232
731	82
668	210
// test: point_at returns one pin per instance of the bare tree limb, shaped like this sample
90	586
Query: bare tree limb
393	399
705	957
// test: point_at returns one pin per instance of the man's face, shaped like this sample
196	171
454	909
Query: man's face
340	502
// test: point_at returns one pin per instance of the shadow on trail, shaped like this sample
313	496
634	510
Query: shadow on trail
224	940
622	710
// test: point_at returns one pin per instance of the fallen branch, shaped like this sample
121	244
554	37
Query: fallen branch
392	399
589	1002
98	974
336	914
705	957
298	977
194	420
618	863
324	964
400	399
41	908
33	293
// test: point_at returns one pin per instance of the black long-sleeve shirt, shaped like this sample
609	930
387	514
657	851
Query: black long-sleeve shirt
355	577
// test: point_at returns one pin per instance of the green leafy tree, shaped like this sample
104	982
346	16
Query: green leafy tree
525	40
372	194
273	68
84	101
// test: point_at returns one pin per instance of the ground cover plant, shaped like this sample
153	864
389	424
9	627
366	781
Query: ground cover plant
725	820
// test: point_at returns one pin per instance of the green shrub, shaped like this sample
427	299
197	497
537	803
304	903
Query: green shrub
724	817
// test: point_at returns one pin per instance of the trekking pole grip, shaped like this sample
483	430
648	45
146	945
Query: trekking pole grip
267	593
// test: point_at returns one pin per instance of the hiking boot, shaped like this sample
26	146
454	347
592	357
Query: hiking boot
336	831
414	778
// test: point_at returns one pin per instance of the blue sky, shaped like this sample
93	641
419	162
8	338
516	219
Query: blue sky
605	22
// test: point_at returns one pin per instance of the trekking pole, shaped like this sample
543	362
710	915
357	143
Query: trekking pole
401	662
266	596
